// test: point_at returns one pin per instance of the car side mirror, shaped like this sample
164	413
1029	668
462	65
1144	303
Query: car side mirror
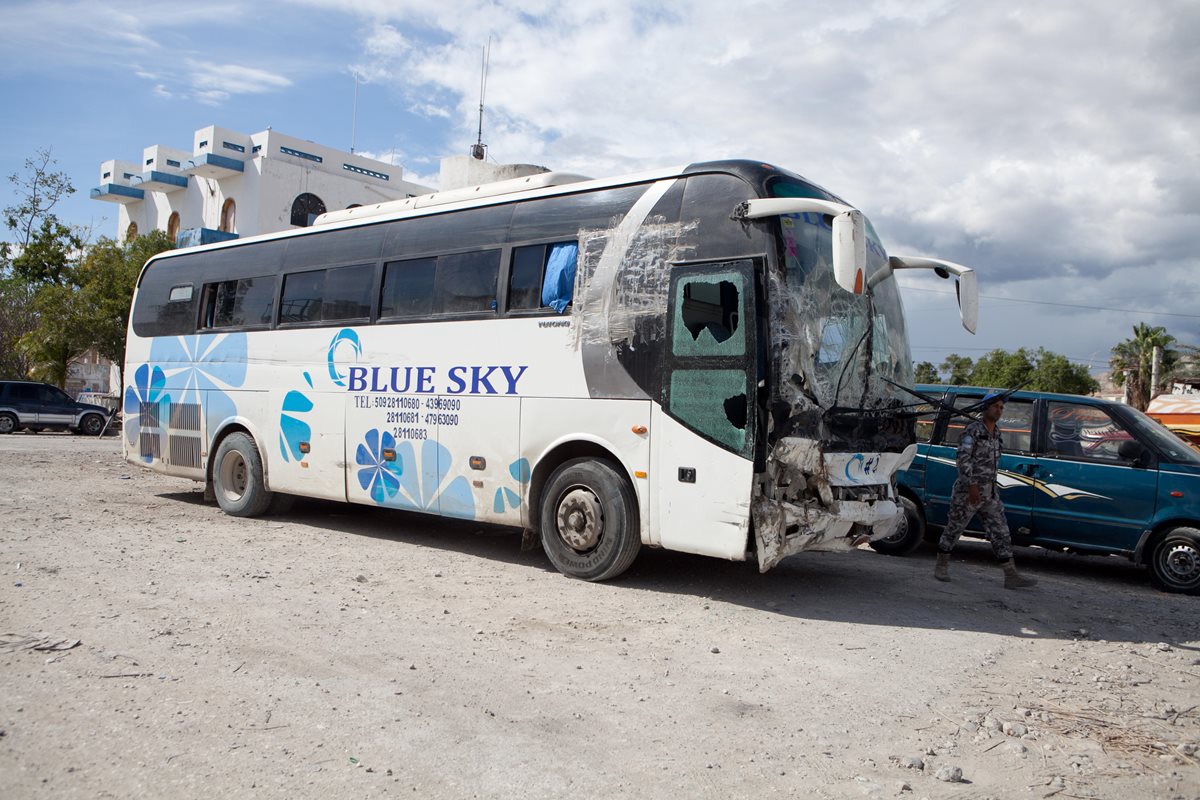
1135	452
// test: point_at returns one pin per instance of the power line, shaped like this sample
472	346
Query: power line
1061	305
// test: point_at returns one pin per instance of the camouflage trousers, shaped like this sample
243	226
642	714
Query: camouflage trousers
990	512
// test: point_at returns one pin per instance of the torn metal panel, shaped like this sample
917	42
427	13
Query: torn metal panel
621	292
812	500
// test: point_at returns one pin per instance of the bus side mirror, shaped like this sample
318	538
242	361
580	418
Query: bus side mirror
965	285
850	251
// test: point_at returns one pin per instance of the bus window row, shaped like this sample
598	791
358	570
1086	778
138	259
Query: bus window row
541	278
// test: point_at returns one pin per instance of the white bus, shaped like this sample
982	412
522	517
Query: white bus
706	359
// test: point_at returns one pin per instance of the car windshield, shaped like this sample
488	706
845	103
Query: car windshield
1148	430
842	345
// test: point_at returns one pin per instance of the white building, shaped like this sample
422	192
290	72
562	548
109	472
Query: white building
233	184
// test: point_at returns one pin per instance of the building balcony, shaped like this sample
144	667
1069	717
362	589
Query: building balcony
157	181
194	237
214	166
117	193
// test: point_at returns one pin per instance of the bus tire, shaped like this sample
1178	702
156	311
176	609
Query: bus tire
238	477
1175	561
908	535
589	520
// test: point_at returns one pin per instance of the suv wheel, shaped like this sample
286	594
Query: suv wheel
1175	562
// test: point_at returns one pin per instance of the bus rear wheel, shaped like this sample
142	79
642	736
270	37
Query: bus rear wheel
238	477
589	520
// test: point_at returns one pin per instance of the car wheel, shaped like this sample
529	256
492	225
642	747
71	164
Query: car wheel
589	520
91	424
1175	562
238	477
908	535
8	423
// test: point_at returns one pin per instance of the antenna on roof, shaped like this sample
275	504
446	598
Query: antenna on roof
479	149
354	113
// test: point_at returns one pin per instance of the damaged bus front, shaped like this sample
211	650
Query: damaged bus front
837	423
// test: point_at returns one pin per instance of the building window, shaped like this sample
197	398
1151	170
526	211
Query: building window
149	162
305	208
172	163
362	171
173	226
131	232
288	151
229	216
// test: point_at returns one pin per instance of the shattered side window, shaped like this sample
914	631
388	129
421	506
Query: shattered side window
708	316
926	422
713	401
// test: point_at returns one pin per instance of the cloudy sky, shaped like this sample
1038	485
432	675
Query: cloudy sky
1053	146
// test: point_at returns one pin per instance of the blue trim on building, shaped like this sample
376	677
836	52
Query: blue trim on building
213	160
117	189
194	237
164	177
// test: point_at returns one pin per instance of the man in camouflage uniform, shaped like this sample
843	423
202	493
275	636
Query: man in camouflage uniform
976	494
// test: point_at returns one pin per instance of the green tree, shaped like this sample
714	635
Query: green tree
1003	369
1132	362
38	190
60	335
957	369
38	251
17	318
925	372
106	279
48	256
1055	373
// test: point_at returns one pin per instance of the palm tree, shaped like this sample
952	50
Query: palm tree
1132	362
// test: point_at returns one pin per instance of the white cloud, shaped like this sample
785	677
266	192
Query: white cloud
234	79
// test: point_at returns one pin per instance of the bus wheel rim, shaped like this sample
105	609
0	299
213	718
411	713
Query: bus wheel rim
233	476
580	519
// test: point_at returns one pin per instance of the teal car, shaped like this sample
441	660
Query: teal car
1077	473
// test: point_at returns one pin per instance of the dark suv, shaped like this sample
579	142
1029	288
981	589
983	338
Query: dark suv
38	406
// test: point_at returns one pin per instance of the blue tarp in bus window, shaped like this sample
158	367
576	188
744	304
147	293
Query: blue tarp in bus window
559	285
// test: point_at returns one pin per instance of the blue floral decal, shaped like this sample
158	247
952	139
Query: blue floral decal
378	477
519	470
423	484
348	337
292	428
147	387
202	368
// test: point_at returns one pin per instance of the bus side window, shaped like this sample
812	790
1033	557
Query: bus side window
348	292
559	286
708	317
239	303
301	299
466	282
408	288
525	278
542	276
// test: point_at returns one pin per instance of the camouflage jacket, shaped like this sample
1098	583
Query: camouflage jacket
978	455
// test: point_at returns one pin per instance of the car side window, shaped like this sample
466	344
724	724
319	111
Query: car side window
926	421
1016	426
1075	430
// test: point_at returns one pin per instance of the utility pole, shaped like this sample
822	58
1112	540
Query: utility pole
1155	369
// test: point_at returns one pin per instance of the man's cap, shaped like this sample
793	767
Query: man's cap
992	397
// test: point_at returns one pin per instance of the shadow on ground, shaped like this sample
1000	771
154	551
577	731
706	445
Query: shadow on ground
1077	596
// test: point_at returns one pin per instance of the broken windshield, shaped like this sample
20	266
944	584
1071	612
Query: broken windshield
833	348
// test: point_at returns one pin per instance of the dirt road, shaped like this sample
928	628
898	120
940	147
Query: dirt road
344	651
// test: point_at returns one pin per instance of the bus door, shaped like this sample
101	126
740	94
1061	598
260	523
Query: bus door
703	441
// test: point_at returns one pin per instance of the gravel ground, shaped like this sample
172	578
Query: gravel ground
344	651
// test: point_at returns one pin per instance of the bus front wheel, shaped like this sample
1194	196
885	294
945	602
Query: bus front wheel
589	520
238	477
